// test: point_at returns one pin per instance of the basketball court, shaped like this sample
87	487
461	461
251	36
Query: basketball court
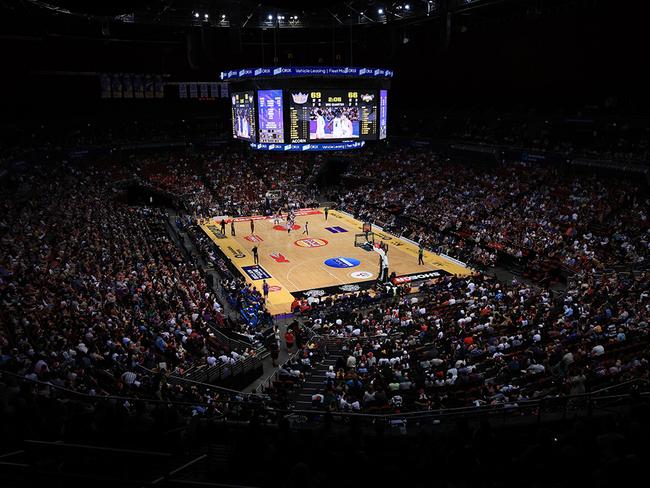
326	261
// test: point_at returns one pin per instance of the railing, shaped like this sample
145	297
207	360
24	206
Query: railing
43	463
220	371
588	403
312	336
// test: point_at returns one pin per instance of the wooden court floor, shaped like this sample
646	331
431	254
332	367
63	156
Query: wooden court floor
325	257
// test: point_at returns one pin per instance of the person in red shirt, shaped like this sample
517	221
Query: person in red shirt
289	339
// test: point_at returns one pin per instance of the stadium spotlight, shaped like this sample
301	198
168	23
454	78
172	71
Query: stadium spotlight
223	16
380	11
206	16
407	7
270	17
196	15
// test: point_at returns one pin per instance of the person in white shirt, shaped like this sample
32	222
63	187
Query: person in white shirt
351	362
320	125
337	131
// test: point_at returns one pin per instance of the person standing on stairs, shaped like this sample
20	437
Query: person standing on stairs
289	339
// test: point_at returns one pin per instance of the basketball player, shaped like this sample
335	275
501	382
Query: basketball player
327	211
245	128
320	125
306	231
232	227
252	227
346	129
421	255
337	127
256	258
223	226
276	219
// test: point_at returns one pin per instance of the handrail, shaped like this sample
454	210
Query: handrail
442	412
618	385
180	469
188	380
126	398
130	452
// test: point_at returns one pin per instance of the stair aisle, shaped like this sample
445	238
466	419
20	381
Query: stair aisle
315	382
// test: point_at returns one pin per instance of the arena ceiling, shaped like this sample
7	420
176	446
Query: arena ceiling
284	14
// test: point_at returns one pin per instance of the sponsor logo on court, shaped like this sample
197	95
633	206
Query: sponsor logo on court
349	288
273	288
416	277
278	257
216	231
253	238
361	275
284	227
342	262
256	272
236	252
315	293
311	242
336	230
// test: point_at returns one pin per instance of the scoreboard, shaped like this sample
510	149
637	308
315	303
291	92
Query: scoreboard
332	115
273	116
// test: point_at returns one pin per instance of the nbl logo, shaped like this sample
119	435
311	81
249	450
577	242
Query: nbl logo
311	242
278	257
299	98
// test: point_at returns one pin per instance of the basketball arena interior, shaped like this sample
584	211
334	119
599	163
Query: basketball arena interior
352	243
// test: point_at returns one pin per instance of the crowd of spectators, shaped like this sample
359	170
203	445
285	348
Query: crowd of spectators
475	341
530	212
96	296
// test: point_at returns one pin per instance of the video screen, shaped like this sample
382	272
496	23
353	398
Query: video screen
383	113
270	114
332	115
243	115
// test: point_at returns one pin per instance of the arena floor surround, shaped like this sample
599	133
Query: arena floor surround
325	261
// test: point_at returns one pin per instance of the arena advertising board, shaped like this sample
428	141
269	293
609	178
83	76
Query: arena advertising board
323	146
427	275
305	71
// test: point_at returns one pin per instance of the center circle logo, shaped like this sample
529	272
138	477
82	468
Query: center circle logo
342	262
284	227
311	242
361	275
